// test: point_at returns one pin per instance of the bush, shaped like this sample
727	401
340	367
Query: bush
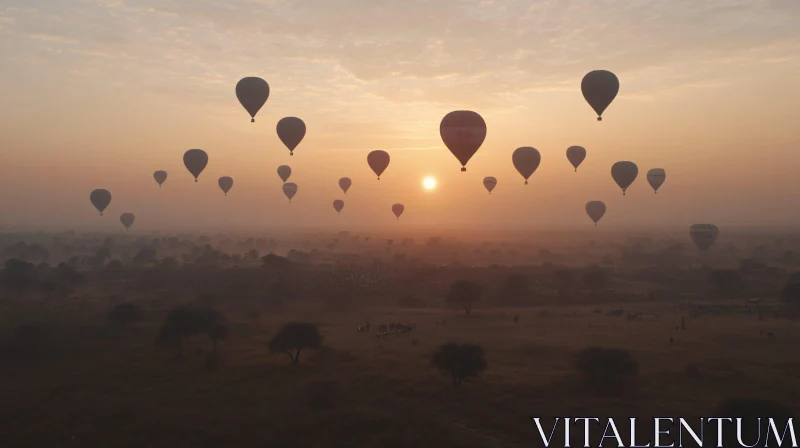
124	314
607	366
460	361
293	338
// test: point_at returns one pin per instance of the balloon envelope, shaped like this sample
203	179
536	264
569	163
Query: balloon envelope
100	199
127	220
284	171
225	183
526	159
291	131
290	189
398	209
656	178
704	235
575	155
463	132
338	205
252	93
489	183
160	176
345	183
624	173
599	88
595	210
195	161
378	160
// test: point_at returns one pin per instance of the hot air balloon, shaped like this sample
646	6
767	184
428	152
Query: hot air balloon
160	176
127	220
290	189
489	183
463	132
378	160
284	171
344	184
704	235
225	183
338	205
656	178
575	155
398	209
100	199
291	131
195	161
252	93
599	88
526	159
624	173
595	210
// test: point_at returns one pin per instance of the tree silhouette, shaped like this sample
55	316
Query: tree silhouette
124	314
185	321
460	361
464	293
218	333
18	275
293	338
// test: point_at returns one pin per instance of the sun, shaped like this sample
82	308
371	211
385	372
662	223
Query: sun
429	183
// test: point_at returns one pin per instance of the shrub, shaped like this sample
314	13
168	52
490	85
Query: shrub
293	338
460	361
464	293
602	365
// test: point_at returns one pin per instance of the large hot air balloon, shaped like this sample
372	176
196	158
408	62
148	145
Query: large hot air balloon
489	183
526	159
595	210
252	93
575	155
338	205
656	178
398	209
160	176
624	173
100	199
378	160
463	132
127	220
284	171
290	189
599	88
291	131
225	183
344	184
704	235
195	161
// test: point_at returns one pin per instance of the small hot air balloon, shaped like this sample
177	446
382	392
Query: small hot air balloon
463	132
127	220
160	176
575	155
595	210
338	205
378	160
526	159
624	173
195	161
344	184
252	93
703	235
290	189
489	183
398	209
291	131
284	171
656	178
225	183
100	199
599	88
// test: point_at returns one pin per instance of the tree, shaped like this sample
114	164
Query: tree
185	321
124	314
276	262
218	333
145	256
791	291
604	366
460	361
293	338
18	275
464	293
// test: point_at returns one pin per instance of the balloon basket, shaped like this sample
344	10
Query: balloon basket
599	118
463	168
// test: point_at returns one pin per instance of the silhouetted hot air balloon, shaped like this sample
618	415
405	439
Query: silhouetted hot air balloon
290	189
252	93
398	209
284	171
595	210
575	155
656	178
160	176
225	183
526	159
599	88
338	205
100	199
378	160
344	184
127	220
463	132
291	131
489	183
195	161
624	173
704	235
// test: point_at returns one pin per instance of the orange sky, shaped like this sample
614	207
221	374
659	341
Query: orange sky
101	93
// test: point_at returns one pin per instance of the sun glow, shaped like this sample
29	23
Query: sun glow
429	183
